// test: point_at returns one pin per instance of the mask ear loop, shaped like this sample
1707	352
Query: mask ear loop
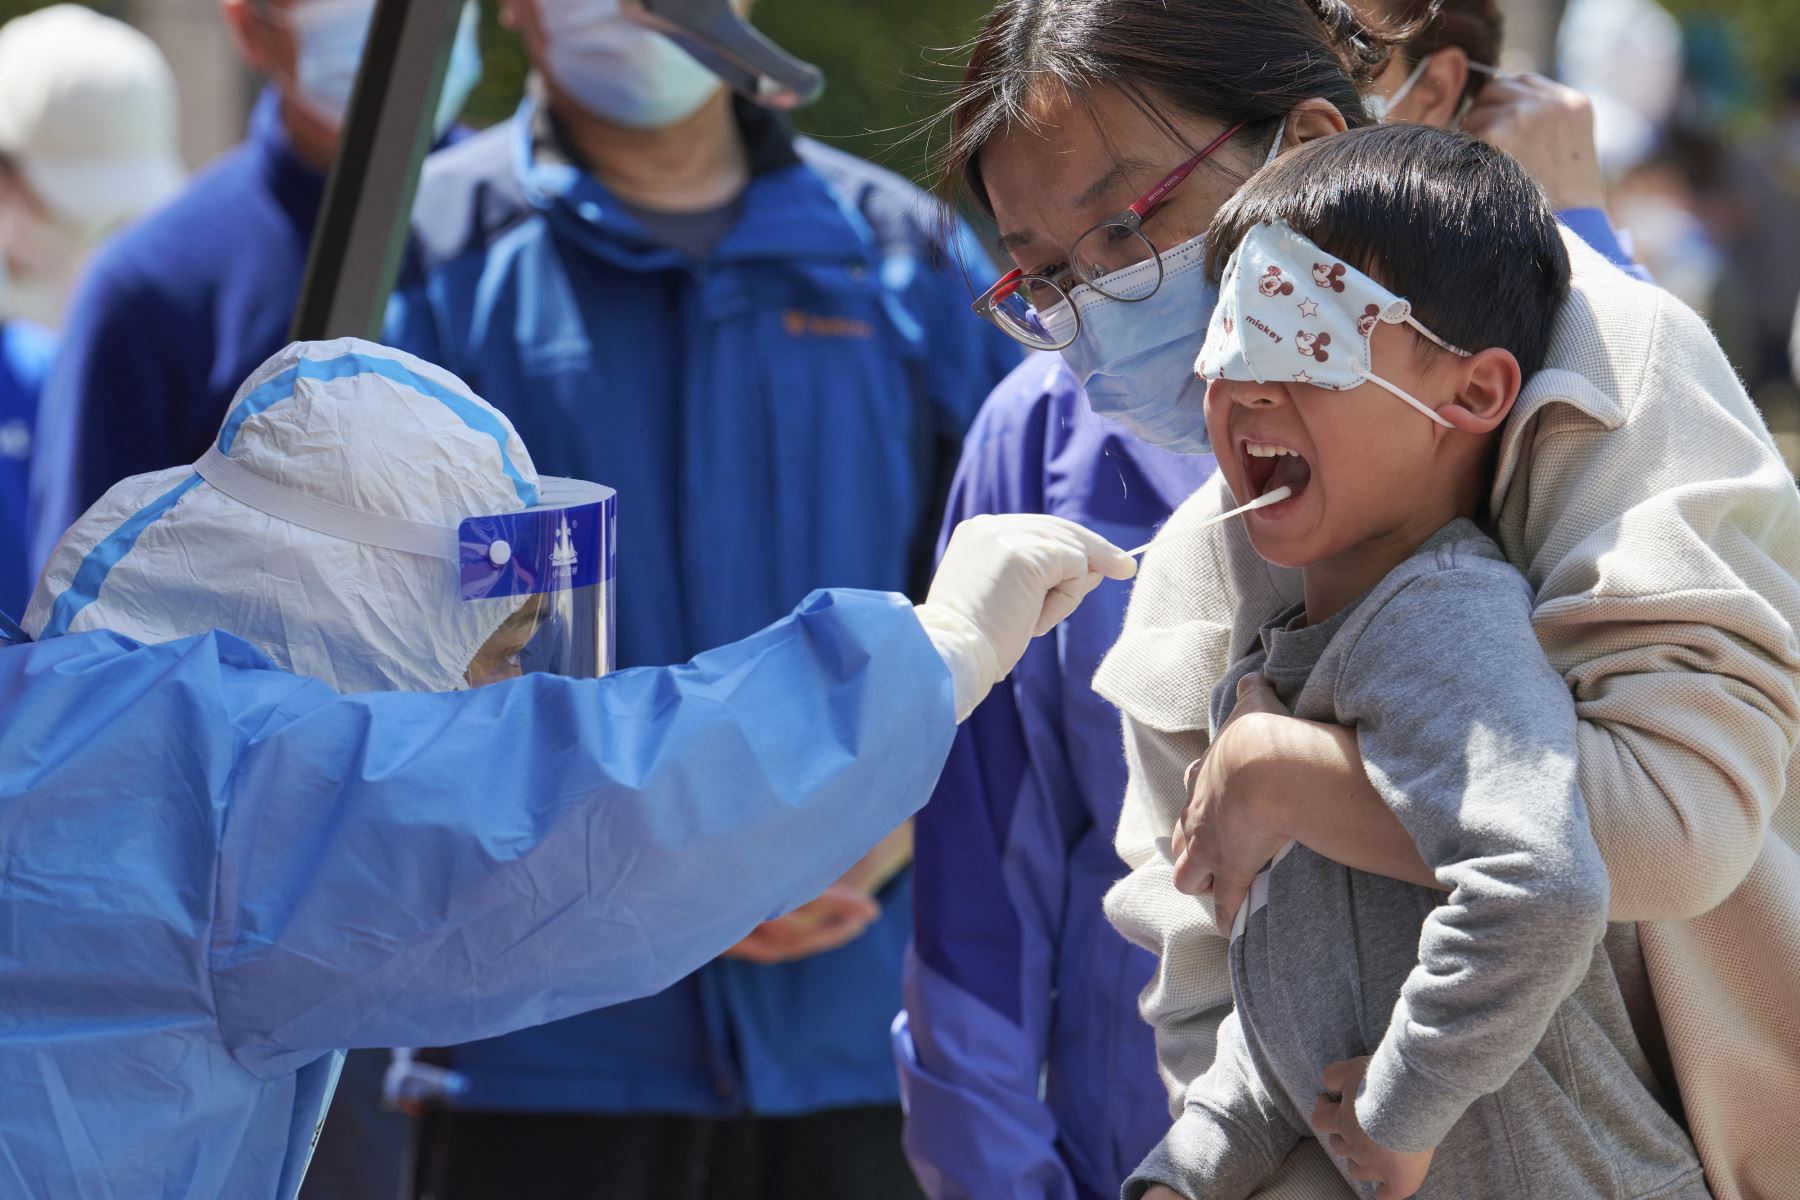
1468	101
1275	146
1382	107
1385	386
1405	317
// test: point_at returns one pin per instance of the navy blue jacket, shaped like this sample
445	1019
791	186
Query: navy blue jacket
773	419
1026	1068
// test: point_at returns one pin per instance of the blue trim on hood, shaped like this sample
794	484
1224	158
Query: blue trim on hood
348	366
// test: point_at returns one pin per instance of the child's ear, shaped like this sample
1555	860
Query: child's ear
1487	384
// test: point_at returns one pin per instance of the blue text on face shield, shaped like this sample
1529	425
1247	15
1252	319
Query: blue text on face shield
1136	360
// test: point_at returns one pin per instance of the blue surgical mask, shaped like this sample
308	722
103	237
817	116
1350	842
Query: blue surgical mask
330	35
1136	361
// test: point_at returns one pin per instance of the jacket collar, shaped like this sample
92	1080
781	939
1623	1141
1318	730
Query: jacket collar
789	211
1556	384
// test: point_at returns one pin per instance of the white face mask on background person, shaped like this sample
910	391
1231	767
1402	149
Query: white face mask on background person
618	70
41	260
329	36
1382	107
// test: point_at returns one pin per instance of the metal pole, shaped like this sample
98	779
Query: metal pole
363	226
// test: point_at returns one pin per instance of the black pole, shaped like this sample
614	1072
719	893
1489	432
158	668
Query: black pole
363	226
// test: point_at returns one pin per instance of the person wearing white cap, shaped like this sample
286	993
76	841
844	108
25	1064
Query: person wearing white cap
179	309
87	142
88	128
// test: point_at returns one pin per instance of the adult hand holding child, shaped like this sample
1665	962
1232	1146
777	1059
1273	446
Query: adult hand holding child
1268	778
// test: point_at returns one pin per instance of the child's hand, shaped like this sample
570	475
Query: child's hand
1396	1174
1218	843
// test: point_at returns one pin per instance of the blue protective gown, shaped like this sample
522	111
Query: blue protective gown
769	418
214	875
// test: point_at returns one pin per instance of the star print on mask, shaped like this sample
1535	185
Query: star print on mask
1341	315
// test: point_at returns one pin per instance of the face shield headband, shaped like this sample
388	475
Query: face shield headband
546	571
1289	312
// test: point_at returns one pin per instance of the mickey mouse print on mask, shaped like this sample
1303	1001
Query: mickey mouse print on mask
1265	329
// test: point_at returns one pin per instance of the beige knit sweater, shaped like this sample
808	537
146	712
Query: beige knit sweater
1641	494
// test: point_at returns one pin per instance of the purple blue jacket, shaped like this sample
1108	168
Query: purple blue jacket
1024	1065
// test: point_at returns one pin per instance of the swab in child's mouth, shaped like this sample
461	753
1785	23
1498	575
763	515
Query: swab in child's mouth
1263	501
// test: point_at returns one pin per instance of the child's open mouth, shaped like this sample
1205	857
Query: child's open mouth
1269	465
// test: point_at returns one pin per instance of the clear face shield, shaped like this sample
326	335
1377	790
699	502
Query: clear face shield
550	569
543	575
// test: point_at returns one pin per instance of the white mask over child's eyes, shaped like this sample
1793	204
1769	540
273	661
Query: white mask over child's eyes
1288	312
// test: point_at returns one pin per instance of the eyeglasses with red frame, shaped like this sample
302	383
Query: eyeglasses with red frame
1025	306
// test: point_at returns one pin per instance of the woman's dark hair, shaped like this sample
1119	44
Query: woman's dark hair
1473	26
1452	224
1230	60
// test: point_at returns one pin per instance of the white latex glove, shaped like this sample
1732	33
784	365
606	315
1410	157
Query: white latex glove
1004	580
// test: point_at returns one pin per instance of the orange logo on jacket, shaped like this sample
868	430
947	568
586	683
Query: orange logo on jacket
799	324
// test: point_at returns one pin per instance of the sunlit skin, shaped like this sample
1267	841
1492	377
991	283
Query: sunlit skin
1378	476
498	658
1436	97
1078	163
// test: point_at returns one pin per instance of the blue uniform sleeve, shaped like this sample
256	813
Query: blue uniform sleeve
433	869
114	403
1594	227
989	879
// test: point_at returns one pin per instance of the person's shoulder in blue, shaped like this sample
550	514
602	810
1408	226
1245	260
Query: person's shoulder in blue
174	313
1026	1068
26	352
776	388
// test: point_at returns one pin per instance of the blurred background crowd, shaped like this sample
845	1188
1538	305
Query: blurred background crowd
1697	112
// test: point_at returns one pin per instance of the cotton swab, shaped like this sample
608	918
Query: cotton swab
1275	497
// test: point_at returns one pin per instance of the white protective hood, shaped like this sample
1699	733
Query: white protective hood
166	555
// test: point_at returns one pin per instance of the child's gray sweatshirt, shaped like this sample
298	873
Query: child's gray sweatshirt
1493	1003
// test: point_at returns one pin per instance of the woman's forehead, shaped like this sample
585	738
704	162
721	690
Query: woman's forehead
1076	157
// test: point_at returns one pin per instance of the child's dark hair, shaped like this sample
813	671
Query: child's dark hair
1452	224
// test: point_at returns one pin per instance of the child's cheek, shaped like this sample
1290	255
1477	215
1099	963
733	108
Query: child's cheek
1218	409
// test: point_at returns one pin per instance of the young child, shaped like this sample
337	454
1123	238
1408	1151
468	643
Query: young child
1475	1044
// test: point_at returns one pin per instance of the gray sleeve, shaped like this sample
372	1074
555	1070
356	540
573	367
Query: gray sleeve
1469	735
1232	1132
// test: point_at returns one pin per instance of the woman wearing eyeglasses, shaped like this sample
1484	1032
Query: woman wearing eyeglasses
1102	135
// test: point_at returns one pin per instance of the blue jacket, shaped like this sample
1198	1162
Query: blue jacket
26	352
1015	852
769	418
172	316
218	875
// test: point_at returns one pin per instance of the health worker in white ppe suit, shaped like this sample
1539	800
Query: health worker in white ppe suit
219	874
